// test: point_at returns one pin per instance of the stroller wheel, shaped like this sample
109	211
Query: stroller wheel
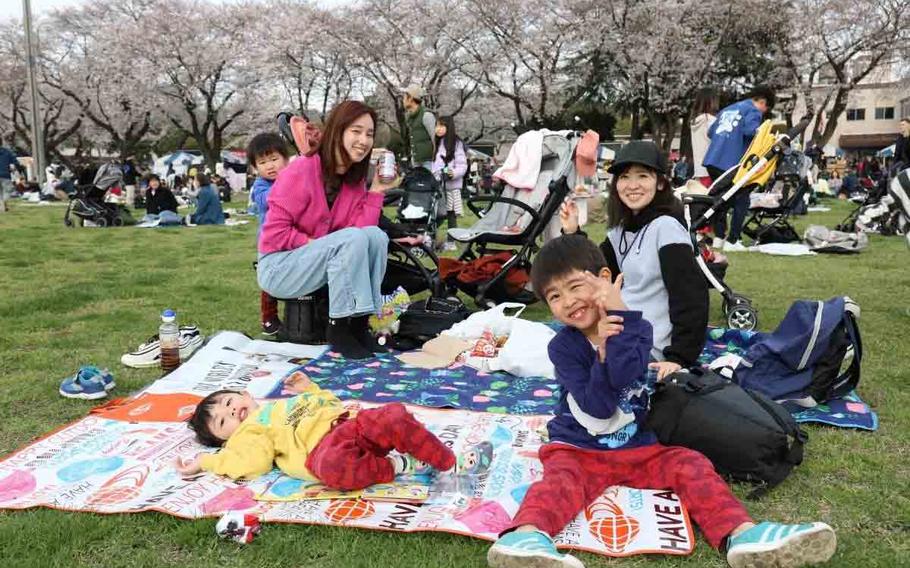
101	222
118	221
68	222
743	317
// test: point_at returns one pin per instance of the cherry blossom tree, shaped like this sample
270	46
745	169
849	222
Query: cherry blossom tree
834	45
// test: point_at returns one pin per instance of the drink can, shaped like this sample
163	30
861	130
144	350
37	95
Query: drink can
387	166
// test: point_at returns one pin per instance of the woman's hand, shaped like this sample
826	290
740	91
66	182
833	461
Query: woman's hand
568	216
665	368
188	467
379	186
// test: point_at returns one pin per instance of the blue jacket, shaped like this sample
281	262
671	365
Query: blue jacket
208	208
603	406
259	193
7	159
731	134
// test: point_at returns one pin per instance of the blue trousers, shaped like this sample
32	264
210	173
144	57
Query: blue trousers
351	261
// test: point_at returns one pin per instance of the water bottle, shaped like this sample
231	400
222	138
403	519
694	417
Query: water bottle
169	338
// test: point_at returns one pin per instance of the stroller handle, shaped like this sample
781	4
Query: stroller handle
799	127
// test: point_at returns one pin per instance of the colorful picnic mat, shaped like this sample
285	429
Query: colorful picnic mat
120	458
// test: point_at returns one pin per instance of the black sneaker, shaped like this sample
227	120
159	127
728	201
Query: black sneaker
360	329
274	329
341	339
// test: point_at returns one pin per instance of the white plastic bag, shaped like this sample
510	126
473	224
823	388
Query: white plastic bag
525	353
494	319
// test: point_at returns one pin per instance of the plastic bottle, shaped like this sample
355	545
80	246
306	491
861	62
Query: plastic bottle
169	337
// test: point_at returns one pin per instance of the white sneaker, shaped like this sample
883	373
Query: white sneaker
738	246
149	353
718	243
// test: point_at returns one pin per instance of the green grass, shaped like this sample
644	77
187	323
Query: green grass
78	296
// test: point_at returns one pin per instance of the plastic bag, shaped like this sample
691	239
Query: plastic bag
495	320
525	353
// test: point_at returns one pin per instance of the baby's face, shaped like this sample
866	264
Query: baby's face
230	410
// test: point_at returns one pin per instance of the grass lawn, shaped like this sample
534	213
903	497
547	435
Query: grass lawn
79	296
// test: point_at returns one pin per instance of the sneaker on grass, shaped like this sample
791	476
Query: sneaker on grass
88	383
273	329
782	546
738	246
529	548
149	353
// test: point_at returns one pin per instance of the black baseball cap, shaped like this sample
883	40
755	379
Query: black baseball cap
641	152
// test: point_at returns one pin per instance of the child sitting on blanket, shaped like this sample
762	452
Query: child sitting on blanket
312	436
597	437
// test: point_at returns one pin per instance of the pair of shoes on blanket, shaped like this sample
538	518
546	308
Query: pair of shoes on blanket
765	544
149	353
88	383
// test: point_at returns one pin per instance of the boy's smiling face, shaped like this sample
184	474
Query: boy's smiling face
571	299
227	414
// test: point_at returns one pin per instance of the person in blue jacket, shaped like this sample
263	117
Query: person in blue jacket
730	136
208	205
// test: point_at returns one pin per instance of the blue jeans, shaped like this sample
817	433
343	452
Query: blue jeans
740	210
351	261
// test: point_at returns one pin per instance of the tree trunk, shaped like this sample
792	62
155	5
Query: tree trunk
635	133
685	137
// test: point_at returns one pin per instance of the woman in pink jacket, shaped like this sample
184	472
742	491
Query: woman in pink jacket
321	229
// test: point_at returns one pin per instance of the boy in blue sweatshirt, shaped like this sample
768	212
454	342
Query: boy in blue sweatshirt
598	438
730	136
268	153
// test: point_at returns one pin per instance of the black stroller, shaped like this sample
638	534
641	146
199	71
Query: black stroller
87	203
516	218
700	211
771	224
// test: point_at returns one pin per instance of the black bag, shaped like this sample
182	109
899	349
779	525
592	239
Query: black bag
425	320
306	318
746	435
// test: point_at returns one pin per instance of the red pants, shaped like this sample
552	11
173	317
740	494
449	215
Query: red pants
574	477
268	307
353	454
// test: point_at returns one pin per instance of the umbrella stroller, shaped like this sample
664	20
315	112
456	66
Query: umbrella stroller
87	203
754	170
513	218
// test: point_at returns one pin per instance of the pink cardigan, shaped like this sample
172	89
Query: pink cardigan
298	211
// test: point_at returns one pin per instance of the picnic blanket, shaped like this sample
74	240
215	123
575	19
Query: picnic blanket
119	460
847	412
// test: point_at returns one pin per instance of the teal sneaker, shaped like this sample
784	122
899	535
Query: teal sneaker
533	549
88	383
781	546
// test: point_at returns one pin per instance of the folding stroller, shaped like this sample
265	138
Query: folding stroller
87	203
771	223
754	170
516	218
886	211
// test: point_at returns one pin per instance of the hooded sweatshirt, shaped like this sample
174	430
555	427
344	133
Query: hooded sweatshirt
731	134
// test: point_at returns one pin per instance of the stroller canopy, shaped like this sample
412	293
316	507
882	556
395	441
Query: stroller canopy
109	175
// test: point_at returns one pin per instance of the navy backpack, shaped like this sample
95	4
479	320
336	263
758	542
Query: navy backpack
805	356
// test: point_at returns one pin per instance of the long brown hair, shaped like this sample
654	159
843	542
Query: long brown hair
331	147
706	102
664	202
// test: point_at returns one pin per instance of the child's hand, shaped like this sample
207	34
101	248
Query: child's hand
607	327
607	294
568	216
298	382
188	467
665	368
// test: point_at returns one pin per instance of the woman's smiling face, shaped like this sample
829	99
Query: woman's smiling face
637	186
357	139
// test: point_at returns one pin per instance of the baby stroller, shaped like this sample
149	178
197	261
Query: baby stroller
886	211
769	221
514	218
754	170
87	203
406	266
